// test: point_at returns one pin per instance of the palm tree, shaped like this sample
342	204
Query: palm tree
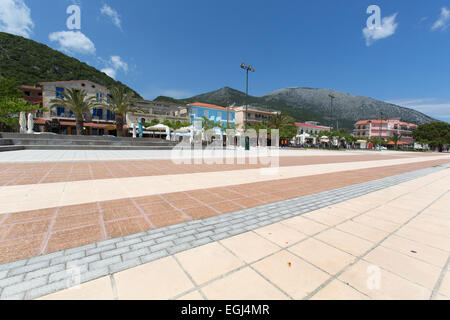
78	102
396	139
121	103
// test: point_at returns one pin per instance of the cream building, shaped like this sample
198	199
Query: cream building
254	115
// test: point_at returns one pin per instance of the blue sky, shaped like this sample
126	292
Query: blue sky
182	48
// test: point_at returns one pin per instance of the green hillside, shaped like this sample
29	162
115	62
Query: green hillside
29	62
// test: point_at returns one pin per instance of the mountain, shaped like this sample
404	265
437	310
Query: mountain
29	62
307	104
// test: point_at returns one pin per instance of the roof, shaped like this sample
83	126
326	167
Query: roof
378	121
299	124
73	81
31	88
206	105
73	124
371	121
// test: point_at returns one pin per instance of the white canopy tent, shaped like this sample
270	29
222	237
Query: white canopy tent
160	128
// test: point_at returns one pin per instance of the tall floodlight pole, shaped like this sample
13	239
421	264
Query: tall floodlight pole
248	69
381	127
331	109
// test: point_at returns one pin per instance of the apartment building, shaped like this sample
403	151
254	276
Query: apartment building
310	127
160	110
385	129
254	115
218	114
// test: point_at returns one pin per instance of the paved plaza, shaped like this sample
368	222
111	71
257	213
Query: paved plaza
146	225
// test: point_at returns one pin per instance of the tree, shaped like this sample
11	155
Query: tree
396	139
208	124
12	104
121	102
284	123
8	89
10	108
78	102
435	134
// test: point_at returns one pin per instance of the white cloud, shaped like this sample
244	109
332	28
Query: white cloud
110	72
15	18
73	42
433	107
444	20
387	29
110	12
114	64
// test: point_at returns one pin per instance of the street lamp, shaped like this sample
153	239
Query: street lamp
248	69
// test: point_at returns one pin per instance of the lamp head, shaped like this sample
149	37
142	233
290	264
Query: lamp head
243	66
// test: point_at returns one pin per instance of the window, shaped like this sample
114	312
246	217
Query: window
99	97
59	111
27	93
59	92
110	115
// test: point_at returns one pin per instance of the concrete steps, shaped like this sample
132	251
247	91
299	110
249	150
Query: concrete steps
61	142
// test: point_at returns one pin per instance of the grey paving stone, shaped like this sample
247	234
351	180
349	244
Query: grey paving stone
46	290
28	268
166	238
108	242
78	249
45	257
174	231
160	246
115	252
135	254
144	244
127	243
44	271
204	234
12	265
184	239
3	274
83	261
121	266
67	273
154	256
23	286
66	258
136	235
153	236
11	280
187	233
94	274
101	249
104	263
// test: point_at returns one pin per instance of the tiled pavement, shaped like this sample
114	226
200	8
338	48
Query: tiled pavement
13	174
44	231
317	246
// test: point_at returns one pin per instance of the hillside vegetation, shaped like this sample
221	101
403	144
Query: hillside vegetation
29	62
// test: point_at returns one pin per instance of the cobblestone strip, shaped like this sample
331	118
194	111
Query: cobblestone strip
43	275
